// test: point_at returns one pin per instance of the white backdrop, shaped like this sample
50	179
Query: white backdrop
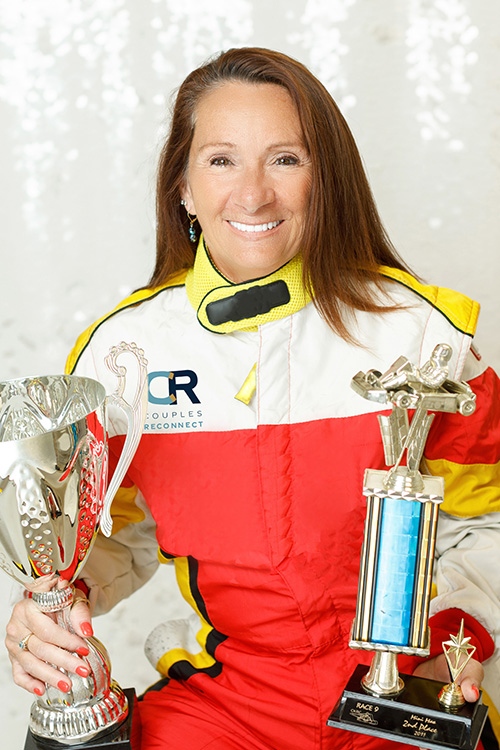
85	87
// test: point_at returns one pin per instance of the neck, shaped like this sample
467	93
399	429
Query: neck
223	306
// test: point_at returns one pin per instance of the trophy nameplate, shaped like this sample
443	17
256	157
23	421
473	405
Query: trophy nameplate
413	717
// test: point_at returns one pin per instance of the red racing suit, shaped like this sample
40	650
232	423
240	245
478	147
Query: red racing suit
249	474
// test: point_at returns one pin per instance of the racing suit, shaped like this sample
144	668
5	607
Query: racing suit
249	477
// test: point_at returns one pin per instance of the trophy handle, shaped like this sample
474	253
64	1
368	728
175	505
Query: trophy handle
136	416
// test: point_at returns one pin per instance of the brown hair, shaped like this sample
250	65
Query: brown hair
344	240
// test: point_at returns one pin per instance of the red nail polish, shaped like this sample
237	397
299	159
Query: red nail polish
38	691
476	692
83	651
64	687
82	671
87	629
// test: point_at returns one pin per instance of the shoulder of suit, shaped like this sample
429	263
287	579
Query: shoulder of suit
133	300
461	311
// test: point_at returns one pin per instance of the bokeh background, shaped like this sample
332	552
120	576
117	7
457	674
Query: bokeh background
85	92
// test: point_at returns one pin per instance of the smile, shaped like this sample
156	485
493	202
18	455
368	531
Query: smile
255	227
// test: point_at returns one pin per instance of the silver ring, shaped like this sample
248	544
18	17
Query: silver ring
23	643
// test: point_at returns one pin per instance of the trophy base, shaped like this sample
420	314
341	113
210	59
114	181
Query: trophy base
414	717
119	737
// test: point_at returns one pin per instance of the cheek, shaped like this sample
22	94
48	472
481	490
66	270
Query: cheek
304	190
306	196
210	201
296	198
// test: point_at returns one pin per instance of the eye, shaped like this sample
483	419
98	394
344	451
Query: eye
287	159
220	161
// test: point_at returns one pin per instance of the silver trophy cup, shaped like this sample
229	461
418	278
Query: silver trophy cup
53	499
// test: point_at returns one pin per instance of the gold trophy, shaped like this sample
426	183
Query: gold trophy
396	570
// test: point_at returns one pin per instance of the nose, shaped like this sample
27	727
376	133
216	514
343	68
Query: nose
253	190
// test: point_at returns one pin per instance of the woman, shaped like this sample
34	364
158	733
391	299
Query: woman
250	468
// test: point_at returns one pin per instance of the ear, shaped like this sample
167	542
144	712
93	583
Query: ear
186	196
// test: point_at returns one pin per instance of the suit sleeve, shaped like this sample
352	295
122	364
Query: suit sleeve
466	452
119	565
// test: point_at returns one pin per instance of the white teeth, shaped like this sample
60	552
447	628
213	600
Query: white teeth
254	227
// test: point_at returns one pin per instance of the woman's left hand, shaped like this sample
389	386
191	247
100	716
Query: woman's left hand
470	680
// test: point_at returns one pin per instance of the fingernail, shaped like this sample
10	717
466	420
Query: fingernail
63	686
83	651
38	691
82	671
476	691
87	629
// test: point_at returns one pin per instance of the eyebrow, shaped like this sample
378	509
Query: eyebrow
220	144
272	147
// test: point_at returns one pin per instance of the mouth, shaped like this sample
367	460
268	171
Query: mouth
255	227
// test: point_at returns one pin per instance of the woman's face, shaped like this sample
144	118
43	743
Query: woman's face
248	178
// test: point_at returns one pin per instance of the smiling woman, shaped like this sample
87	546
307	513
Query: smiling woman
249	473
255	125
249	178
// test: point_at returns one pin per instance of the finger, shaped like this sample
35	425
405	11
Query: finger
31	620
470	689
27	618
44	583
43	662
80	618
470	680
26	681
18	626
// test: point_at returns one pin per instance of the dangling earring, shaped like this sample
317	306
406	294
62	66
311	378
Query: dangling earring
192	231
192	219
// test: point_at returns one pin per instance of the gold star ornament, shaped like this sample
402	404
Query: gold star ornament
458	653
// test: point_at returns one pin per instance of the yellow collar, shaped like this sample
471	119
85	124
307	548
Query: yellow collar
222	306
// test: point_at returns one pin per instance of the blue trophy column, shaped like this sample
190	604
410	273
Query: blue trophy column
396	571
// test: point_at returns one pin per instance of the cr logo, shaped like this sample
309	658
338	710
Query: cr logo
178	380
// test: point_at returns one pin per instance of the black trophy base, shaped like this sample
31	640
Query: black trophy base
118	738
414	717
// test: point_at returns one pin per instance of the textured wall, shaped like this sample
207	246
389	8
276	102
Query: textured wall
84	92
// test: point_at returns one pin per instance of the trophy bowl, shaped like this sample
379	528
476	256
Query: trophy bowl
53	499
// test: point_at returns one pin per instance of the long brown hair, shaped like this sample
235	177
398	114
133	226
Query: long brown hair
344	240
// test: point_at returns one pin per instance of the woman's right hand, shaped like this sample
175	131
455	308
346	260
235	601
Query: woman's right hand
49	646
